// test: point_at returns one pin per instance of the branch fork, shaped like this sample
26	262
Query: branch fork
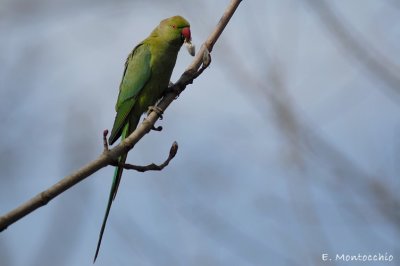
110	156
151	167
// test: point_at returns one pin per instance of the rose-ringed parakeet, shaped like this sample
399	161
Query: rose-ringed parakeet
148	70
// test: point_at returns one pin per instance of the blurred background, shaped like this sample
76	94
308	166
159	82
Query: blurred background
289	143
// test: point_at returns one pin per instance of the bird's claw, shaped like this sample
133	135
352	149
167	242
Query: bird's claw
159	128
159	112
155	109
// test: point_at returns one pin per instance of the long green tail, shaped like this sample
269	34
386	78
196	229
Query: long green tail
129	127
113	193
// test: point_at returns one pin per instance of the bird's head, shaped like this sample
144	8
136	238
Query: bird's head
177	30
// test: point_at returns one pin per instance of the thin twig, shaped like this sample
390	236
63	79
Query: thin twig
150	167
107	158
105	142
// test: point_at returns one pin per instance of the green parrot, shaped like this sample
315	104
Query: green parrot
147	73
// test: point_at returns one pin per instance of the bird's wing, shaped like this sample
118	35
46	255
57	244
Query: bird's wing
136	74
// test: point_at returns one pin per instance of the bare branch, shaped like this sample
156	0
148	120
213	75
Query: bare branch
109	157
150	167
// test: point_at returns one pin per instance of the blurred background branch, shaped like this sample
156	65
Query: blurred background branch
358	47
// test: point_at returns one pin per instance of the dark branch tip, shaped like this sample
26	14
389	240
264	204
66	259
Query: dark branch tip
173	150
105	142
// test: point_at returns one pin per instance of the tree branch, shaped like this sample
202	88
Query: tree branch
153	166
108	157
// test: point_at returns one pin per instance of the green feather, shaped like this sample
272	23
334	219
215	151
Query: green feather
147	73
116	180
137	72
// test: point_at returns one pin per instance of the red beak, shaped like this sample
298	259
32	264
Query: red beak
186	34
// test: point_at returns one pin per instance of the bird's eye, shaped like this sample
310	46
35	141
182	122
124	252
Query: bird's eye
173	26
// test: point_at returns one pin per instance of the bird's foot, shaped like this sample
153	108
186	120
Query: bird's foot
159	128
157	110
